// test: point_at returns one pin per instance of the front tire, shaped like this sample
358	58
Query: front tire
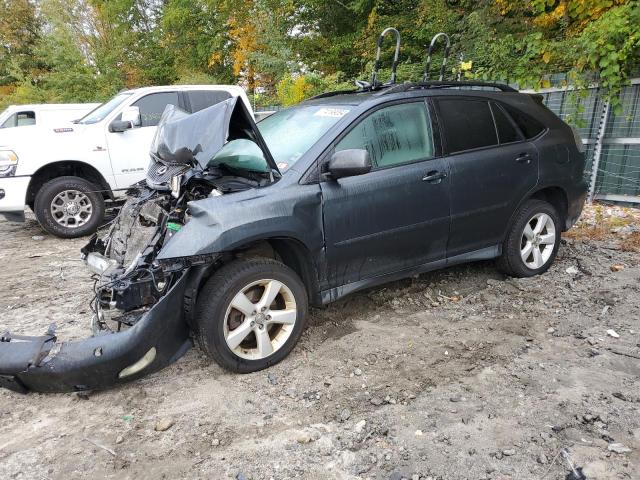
69	207
533	240
250	314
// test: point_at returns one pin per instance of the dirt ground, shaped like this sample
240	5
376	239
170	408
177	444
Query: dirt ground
457	374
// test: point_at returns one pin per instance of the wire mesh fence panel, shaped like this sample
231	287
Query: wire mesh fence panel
583	112
619	166
626	123
619	170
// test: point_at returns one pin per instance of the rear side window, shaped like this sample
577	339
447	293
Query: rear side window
467	123
507	132
529	125
202	99
152	106
393	135
20	119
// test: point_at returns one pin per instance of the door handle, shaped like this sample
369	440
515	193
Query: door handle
434	176
524	158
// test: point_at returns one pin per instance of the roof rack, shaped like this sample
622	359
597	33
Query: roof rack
404	87
374	74
447	49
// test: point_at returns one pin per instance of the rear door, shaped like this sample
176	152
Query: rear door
492	168
396	216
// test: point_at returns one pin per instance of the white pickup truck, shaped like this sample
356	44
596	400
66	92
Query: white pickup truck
66	173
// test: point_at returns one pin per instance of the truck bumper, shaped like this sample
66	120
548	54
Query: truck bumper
39	364
13	194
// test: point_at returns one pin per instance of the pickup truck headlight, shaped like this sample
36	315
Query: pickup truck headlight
8	163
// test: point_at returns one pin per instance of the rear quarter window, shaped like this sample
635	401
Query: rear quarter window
529	126
467	124
507	132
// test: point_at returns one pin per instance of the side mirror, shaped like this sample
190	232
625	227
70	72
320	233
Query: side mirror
129	118
118	126
349	163
132	114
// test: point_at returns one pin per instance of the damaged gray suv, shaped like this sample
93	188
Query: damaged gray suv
238	228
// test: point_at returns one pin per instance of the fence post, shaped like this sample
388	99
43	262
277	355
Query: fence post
597	149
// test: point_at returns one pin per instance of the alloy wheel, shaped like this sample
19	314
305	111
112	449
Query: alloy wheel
538	241
71	208
260	319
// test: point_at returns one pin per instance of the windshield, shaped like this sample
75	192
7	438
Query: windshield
98	114
292	132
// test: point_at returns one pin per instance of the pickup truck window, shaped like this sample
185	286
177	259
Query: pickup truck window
201	99
99	113
20	119
151	107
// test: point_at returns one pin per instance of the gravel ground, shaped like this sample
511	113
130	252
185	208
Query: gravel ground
457	374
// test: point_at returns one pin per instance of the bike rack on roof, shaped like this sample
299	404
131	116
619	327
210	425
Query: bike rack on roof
378	63
447	48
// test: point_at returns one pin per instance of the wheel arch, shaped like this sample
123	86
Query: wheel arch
66	168
290	251
552	194
557	197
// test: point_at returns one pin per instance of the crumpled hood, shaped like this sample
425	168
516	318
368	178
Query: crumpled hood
182	138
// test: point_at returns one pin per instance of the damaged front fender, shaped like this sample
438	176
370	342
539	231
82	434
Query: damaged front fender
40	364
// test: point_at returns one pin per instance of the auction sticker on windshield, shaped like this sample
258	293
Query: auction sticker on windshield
331	112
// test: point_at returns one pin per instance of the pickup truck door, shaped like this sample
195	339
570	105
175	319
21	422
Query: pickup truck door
129	150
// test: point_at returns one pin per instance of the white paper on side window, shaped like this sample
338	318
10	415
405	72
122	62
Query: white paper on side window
331	112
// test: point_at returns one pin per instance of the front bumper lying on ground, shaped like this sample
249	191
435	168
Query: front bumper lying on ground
40	364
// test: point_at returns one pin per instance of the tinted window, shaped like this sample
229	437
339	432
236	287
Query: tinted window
152	106
393	135
529	126
467	124
202	99
507	132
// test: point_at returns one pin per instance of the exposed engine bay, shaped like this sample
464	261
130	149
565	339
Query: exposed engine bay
122	256
128	279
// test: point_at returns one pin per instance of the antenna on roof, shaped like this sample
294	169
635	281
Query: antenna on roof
447	47
377	64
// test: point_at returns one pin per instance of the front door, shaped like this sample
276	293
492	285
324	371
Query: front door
396	216
129	150
492	168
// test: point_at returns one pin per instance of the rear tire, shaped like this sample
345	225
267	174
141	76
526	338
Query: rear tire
69	207
250	314
533	240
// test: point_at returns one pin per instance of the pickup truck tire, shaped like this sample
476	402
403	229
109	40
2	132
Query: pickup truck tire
69	207
533	240
239	325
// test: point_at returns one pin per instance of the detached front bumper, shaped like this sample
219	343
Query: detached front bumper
40	364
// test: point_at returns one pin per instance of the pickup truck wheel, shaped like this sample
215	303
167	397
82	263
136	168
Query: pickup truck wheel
532	243
69	207
250	314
